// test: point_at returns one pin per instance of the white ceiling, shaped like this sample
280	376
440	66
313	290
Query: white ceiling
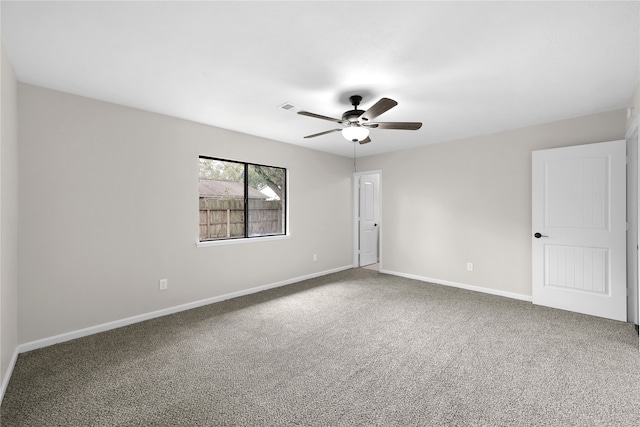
462	68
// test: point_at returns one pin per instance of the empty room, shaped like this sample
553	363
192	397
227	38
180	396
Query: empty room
319	213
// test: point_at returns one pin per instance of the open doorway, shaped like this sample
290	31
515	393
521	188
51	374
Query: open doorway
367	219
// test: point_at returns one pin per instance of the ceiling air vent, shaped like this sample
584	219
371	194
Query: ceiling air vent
289	107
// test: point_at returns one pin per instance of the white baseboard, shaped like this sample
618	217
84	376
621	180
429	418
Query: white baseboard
68	336
7	375
461	285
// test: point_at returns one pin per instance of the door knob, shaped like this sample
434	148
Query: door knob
538	235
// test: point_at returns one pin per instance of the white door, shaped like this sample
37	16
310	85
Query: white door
579	229
369	200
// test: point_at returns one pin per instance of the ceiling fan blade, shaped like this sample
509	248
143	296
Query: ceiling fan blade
365	141
385	104
396	125
322	133
318	116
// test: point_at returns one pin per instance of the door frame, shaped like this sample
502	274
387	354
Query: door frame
633	197
356	209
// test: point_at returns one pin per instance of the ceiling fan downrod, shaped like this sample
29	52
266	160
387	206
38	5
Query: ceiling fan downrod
353	115
355	100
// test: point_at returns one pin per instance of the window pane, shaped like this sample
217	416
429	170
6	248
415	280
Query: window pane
266	200
221	188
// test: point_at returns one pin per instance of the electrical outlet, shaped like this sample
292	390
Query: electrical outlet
163	284
315	257
469	266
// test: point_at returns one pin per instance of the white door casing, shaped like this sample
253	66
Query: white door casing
632	137
369	186
632	229
579	229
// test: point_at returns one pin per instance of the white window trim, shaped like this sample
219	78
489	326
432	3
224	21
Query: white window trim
239	241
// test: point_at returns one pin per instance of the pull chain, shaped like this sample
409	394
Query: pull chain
354	158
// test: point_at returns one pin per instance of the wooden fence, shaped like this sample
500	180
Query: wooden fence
223	218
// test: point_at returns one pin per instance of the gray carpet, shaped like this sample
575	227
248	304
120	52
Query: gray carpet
348	349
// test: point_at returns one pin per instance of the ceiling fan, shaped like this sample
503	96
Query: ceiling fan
357	123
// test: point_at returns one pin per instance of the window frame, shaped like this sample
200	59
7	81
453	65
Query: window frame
247	238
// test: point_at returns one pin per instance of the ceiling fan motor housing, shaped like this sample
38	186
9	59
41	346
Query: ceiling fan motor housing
352	115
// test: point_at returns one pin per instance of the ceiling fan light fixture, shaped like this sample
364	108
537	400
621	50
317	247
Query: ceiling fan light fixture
355	133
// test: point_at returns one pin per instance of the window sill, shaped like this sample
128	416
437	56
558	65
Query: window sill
241	241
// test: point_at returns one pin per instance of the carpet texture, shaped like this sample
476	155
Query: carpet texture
348	349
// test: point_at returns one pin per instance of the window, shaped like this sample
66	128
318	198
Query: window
240	200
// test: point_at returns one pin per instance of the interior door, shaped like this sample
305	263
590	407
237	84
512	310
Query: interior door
368	219
579	229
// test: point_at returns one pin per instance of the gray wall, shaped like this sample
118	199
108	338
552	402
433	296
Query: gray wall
8	219
470	201
109	205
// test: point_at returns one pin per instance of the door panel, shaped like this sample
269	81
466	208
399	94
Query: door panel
577	268
577	193
579	218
